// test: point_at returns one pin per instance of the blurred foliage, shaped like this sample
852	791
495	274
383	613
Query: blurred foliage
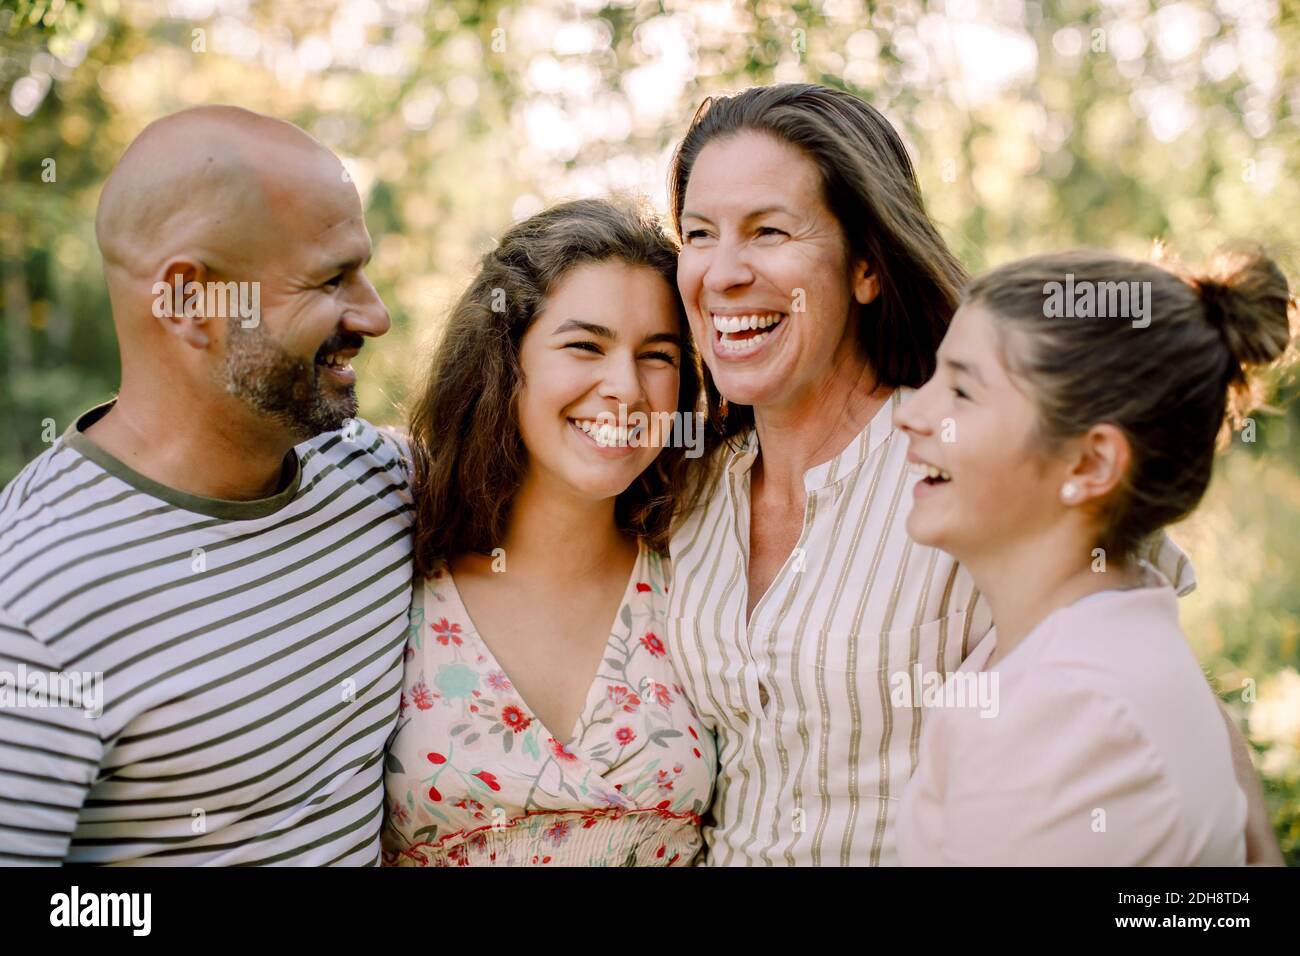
1033	125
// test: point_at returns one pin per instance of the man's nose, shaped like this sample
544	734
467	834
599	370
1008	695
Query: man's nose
366	312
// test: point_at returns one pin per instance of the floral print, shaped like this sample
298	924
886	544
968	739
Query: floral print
473	777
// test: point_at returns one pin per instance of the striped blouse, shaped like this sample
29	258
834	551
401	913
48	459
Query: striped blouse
813	751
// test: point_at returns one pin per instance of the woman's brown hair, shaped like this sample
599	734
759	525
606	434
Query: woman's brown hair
466	447
870	187
1175	375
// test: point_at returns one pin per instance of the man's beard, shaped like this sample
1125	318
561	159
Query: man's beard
283	387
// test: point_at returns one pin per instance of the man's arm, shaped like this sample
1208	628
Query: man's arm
1261	844
49	755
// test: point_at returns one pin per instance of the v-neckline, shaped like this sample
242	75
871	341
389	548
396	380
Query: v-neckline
623	601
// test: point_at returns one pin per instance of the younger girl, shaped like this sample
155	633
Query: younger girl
541	720
1052	440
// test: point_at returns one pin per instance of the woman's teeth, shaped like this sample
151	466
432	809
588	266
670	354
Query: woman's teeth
606	434
743	345
745	333
745	323
930	471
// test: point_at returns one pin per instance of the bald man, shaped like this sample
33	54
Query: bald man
204	583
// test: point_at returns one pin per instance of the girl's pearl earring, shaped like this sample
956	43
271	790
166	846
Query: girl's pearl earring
1069	492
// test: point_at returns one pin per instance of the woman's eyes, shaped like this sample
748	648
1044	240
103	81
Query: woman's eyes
761	231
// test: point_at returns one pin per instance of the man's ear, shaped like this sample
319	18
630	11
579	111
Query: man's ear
1102	460
866	284
180	300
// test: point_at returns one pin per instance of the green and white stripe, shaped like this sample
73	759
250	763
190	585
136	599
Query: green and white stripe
251	657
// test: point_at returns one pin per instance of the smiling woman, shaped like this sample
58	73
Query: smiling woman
819	291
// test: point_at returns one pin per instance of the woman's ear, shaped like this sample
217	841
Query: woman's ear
866	284
1102	460
180	300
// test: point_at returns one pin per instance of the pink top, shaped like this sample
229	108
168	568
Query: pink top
1103	746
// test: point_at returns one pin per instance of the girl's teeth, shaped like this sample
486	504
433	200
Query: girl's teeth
930	471
605	434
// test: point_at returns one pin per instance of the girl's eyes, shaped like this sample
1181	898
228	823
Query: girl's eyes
959	393
596	350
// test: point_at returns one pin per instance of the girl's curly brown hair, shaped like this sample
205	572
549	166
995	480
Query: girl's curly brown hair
466	447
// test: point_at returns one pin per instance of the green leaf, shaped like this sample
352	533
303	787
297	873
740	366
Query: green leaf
497	728
392	764
459	729
474	736
508	742
625	615
659	736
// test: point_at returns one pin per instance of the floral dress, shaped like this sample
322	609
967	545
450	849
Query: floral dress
474	778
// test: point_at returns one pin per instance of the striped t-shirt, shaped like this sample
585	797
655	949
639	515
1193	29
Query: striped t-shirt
228	671
815	741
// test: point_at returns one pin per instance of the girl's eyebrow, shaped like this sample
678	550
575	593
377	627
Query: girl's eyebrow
672	338
577	325
965	368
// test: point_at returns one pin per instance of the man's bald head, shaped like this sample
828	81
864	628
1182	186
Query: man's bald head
204	181
221	201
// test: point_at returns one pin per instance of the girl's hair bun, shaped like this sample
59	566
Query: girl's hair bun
1245	297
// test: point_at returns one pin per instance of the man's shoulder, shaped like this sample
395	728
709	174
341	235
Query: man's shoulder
43	485
364	451
37	505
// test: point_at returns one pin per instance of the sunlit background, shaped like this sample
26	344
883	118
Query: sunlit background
1034	126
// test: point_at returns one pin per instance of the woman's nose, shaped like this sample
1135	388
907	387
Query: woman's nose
726	268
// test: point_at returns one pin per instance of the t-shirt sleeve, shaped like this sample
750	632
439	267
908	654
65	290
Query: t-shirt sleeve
50	749
1063	778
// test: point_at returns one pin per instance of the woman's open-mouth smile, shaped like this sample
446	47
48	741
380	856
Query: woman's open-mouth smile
743	335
